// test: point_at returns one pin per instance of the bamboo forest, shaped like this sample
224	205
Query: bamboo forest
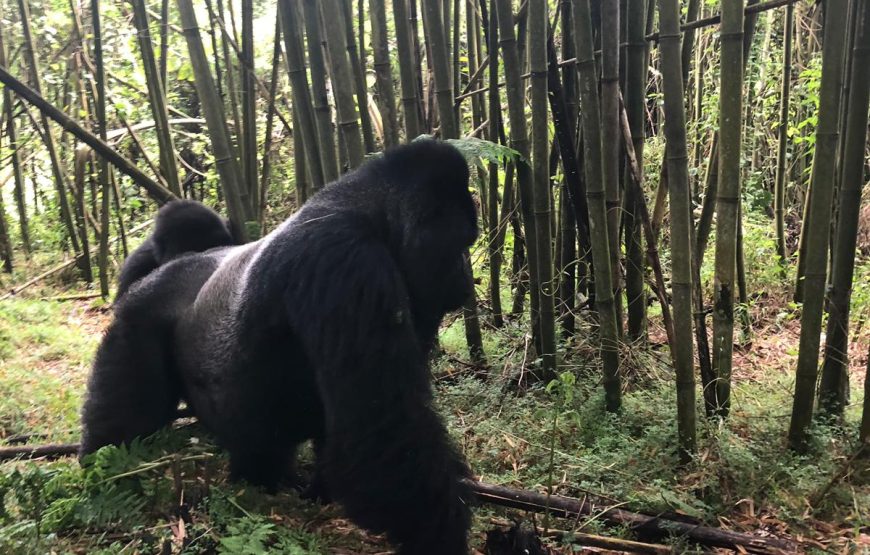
434	276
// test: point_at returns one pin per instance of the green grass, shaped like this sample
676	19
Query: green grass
45	353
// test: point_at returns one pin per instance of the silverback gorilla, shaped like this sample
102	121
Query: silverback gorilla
180	227
321	330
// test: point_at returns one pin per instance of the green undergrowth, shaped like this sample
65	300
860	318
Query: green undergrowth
46	349
171	493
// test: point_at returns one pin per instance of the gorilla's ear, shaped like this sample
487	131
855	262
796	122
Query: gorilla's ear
428	163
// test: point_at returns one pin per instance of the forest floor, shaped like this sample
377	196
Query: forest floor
170	494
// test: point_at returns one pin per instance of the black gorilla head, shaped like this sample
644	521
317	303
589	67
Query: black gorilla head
188	226
433	220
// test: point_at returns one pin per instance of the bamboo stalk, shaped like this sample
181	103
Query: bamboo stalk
322	110
247	130
782	132
818	224
537	37
302	108
405	48
834	385
356	59
635	106
591	128
224	155
497	225
60	179
681	222
520	142
728	198
156	98
15	154
383	71
103	166
343	79
611	156
655	526
266	171
716	19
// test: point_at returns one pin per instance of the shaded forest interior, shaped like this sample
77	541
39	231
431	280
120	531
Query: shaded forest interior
671	304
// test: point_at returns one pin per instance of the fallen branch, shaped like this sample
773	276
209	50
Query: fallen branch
75	297
716	19
614	544
18	289
60	267
157	191
51	451
645	525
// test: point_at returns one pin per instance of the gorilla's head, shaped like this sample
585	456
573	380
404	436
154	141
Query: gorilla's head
434	222
189	226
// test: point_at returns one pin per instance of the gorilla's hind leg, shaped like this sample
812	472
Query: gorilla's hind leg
132	391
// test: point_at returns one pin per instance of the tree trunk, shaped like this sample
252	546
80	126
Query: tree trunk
591	129
610	149
59	173
383	70
635	106
405	48
156	98
834	385
537	38
212	106
679	198
782	142
342	79
306	128
816	234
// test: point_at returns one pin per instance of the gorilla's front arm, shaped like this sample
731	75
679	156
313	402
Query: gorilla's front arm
387	457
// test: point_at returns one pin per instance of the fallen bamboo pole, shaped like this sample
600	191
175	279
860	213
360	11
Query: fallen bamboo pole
716	19
157	191
50	451
645	525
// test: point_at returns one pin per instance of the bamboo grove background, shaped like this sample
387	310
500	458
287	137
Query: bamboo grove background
640	135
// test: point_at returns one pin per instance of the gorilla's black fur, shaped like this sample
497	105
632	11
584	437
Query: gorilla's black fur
320	330
181	226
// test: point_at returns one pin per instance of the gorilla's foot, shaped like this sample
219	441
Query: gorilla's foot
271	471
